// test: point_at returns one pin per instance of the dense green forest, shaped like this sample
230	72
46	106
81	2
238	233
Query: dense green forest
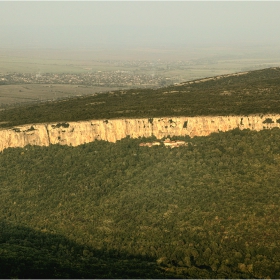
257	92
103	210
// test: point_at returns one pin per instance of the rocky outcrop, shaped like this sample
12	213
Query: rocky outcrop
77	133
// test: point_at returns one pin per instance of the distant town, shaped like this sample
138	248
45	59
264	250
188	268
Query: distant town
121	73
25	79
128	74
119	78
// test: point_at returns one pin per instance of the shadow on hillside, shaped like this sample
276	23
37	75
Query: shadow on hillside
27	253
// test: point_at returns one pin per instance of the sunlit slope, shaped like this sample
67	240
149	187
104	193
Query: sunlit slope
207	210
254	92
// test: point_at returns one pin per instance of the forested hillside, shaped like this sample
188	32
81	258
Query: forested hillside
255	92
104	210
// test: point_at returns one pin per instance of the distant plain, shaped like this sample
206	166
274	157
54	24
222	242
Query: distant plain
177	65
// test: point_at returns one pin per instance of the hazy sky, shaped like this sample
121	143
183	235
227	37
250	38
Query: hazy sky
142	24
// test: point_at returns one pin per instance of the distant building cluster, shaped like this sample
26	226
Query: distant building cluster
167	143
98	78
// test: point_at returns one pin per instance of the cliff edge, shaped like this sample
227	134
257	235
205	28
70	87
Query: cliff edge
77	133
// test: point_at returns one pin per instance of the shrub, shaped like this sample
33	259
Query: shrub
268	120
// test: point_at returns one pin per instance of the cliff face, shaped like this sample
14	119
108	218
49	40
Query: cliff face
76	133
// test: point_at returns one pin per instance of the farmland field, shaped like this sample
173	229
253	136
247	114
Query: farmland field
11	94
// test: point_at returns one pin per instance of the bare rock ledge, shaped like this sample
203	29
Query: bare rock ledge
77	133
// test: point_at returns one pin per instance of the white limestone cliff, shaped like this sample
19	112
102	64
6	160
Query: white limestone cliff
77	133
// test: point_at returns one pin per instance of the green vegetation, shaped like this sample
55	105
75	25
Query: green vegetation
257	92
64	125
268	120
104	210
